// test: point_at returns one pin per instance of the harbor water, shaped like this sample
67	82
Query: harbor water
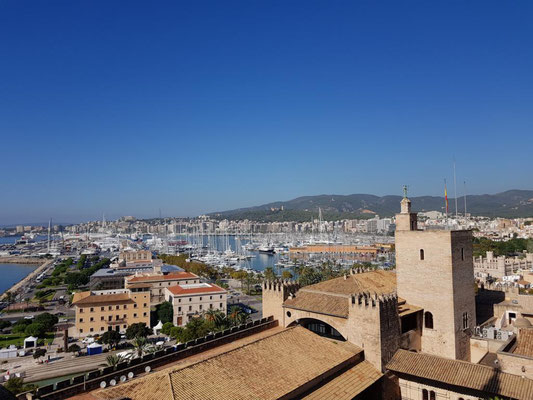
12	273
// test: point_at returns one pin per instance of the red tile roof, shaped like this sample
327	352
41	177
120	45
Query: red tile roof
184	290
167	277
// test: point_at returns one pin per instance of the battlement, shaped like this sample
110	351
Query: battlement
367	299
279	285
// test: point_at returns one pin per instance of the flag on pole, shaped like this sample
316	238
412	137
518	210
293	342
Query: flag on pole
446	196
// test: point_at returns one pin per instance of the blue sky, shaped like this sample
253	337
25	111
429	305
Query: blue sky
128	107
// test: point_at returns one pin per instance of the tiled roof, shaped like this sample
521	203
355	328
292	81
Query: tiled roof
379	282
462	374
167	277
347	385
268	368
184	290
105	299
320	303
332	297
524	343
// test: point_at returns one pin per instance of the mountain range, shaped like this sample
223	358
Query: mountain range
510	204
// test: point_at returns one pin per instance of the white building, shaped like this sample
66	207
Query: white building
194	299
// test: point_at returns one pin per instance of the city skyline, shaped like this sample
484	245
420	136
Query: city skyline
191	109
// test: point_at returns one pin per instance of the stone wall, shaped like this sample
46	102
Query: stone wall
441	283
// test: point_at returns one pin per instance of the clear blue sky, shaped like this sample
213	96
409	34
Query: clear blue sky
128	107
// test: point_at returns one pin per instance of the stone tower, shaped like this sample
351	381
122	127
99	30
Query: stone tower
435	271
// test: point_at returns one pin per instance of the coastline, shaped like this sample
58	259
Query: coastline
28	277
22	260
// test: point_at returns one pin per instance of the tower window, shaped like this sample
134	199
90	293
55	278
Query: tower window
425	394
465	320
422	254
462	254
428	320
432	395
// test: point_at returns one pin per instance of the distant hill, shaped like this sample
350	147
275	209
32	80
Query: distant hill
512	203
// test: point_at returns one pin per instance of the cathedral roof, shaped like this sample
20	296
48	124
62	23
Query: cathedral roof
462	374
332	297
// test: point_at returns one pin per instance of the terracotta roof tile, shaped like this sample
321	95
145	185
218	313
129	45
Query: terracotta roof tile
164	277
320	303
349	384
462	374
379	282
524	342
104	298
268	368
192	289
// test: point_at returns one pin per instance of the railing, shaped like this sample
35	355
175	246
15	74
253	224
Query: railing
93	379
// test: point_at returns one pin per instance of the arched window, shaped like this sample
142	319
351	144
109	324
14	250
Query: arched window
432	395
422	254
425	394
428	320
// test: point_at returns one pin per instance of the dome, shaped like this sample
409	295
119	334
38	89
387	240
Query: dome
521	322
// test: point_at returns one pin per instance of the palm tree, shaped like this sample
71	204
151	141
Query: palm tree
139	343
217	318
237	316
115	359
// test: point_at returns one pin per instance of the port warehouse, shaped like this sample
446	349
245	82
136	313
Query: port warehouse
93	379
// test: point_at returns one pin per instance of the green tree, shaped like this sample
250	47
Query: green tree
35	329
309	276
165	312
74	348
39	353
217	319
111	338
16	385
177	332
237	316
138	329
167	326
139	343
269	274
286	274
115	359
48	320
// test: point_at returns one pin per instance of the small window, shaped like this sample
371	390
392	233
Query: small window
81	310
179	309
200	306
462	254
190	308
91	329
144	314
81	319
288	314
92	309
200	298
432	395
101	318
220	305
425	394
102	308
91	319
422	254
101	328
428	320
81	330
465	320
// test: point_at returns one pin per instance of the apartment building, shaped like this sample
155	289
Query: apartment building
189	300
159	281
106	310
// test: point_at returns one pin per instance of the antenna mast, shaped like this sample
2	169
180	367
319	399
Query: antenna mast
464	182
455	188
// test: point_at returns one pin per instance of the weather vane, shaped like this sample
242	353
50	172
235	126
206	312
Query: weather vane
404	191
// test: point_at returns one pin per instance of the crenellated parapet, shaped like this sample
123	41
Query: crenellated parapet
367	299
279	285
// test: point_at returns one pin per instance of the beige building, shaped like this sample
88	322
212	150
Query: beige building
193	299
106	310
157	282
416	323
498	267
